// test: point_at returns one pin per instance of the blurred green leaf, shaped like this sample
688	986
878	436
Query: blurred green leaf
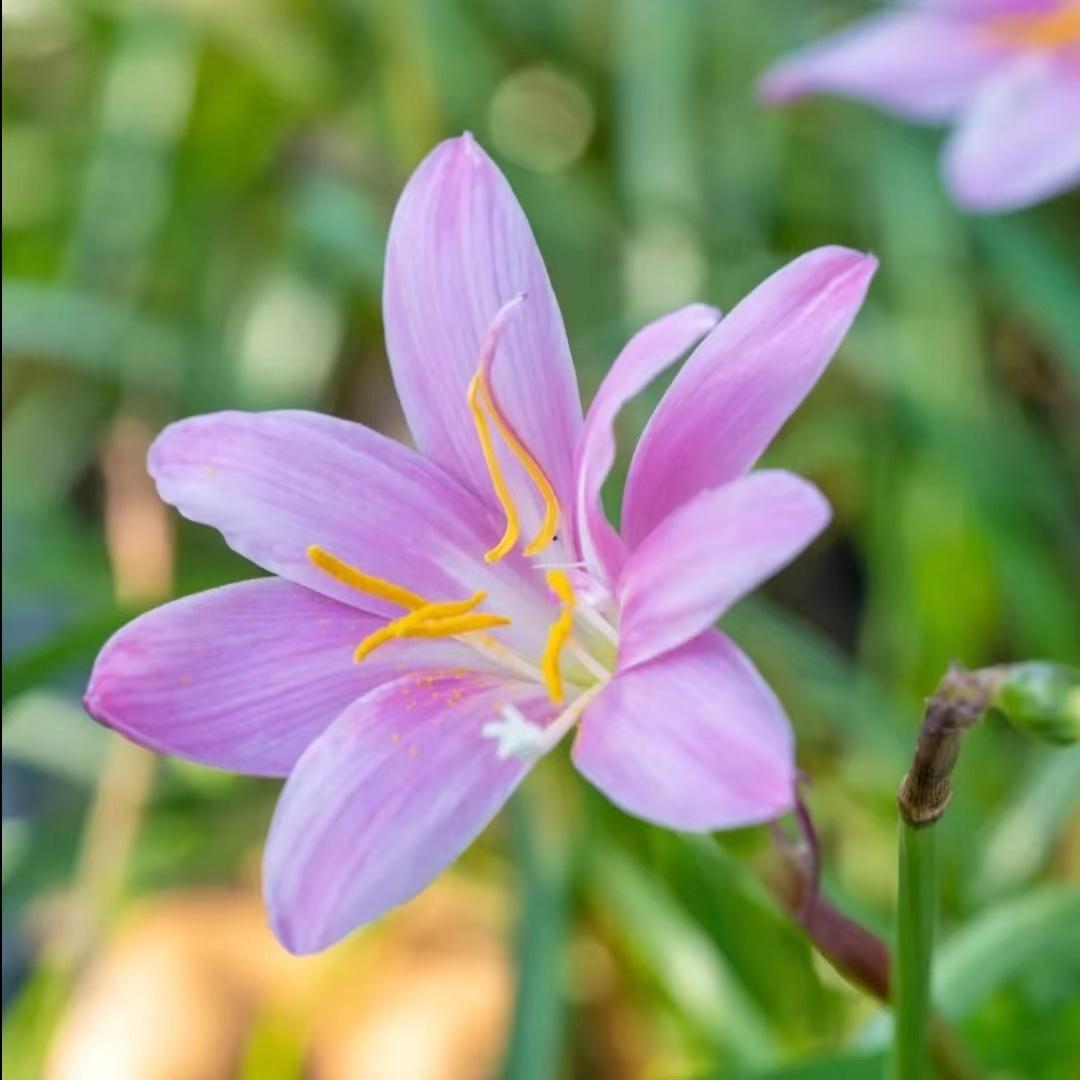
1037	276
1020	838
1037	931
696	978
94	336
52	732
848	1067
534	1050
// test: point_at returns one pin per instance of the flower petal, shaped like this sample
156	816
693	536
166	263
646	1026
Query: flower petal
919	65
694	740
276	483
742	382
710	552
245	676
647	353
1020	140
398	786
460	247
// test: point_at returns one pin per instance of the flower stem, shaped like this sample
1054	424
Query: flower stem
959	702
916	912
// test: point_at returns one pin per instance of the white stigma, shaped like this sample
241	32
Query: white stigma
516	736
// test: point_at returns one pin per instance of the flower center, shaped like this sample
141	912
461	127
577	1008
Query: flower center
565	655
1055	29
459	619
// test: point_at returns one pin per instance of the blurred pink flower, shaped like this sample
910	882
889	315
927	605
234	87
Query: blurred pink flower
1005	72
478	653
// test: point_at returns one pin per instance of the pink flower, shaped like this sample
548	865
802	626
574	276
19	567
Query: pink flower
1005	72
490	604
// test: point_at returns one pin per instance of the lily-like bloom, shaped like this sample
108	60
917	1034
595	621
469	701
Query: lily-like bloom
440	619
1005	73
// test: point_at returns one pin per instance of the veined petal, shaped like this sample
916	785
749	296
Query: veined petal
918	64
275	483
1020	140
460	247
694	740
742	382
647	353
245	676
395	790
710	552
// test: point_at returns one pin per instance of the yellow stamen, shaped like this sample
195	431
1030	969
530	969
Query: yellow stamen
409	628
437	614
547	529
1049	31
498	482
446	618
463	624
558	635
560	585
365	583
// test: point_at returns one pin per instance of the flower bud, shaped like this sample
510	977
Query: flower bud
1042	698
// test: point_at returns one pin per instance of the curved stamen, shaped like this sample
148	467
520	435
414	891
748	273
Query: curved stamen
361	582
481	397
546	533
444	616
498	481
558	635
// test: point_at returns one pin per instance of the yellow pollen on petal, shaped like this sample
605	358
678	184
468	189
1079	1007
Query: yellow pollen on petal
361	582
558	635
480	398
1051	30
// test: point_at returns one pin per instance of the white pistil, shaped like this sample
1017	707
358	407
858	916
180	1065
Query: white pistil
515	736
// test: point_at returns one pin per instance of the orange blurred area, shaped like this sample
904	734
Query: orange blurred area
193	984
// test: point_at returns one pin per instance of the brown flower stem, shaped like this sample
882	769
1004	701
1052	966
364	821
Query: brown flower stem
961	699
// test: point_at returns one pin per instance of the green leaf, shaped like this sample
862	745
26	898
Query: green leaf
50	732
696	978
1020	840
846	1067
1036	931
535	1046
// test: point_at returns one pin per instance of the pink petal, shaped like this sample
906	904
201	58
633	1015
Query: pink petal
920	65
245	676
694	740
742	382
710	552
276	483
460	247
395	790
647	353
1020	140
